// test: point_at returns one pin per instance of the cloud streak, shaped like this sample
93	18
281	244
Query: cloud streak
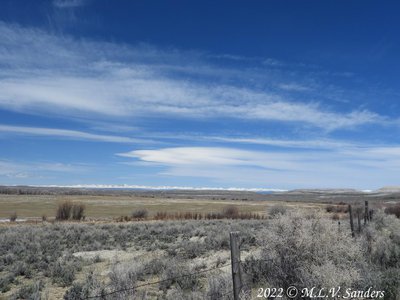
72	134
69	3
284	169
99	79
22	170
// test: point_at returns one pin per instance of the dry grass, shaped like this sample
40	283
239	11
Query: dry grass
109	207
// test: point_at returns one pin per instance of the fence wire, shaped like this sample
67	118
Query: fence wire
244	287
154	282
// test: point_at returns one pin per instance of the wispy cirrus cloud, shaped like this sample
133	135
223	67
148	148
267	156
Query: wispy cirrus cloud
71	134
69	3
98	79
22	170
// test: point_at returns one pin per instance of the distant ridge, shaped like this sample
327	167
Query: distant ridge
328	191
145	187
389	189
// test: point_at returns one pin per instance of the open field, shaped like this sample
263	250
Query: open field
100	207
177	260
297	242
111	204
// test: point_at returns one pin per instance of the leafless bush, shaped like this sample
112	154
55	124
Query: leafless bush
13	217
393	210
64	211
341	208
230	211
140	214
78	211
68	210
161	215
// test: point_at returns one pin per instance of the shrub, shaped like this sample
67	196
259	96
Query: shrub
161	215
68	210
218	286
64	211
341	208
140	214
179	273
124	277
63	271
91	287
13	217
30	291
307	250
6	281
393	210
277	210
78	211
230	212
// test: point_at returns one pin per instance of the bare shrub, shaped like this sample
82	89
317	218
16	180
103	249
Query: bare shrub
161	215
140	214
393	210
330	208
13	217
78	211
230	211
341	208
68	210
213	216
64	211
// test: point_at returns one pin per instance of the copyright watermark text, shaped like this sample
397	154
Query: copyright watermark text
315	293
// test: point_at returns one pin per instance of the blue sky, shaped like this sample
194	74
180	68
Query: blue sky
261	94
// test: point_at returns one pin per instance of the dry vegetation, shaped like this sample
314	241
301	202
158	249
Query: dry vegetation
76	261
184	250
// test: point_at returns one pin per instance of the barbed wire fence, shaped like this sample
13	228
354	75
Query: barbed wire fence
240	290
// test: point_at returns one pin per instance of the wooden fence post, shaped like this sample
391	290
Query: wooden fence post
351	221
235	262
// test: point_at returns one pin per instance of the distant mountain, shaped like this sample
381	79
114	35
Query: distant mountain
389	189
326	191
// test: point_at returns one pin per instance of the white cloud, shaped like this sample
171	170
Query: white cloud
44	73
22	170
73	134
294	87
69	3
358	167
307	144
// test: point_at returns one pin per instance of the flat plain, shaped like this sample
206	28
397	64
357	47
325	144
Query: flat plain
109	204
190	258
